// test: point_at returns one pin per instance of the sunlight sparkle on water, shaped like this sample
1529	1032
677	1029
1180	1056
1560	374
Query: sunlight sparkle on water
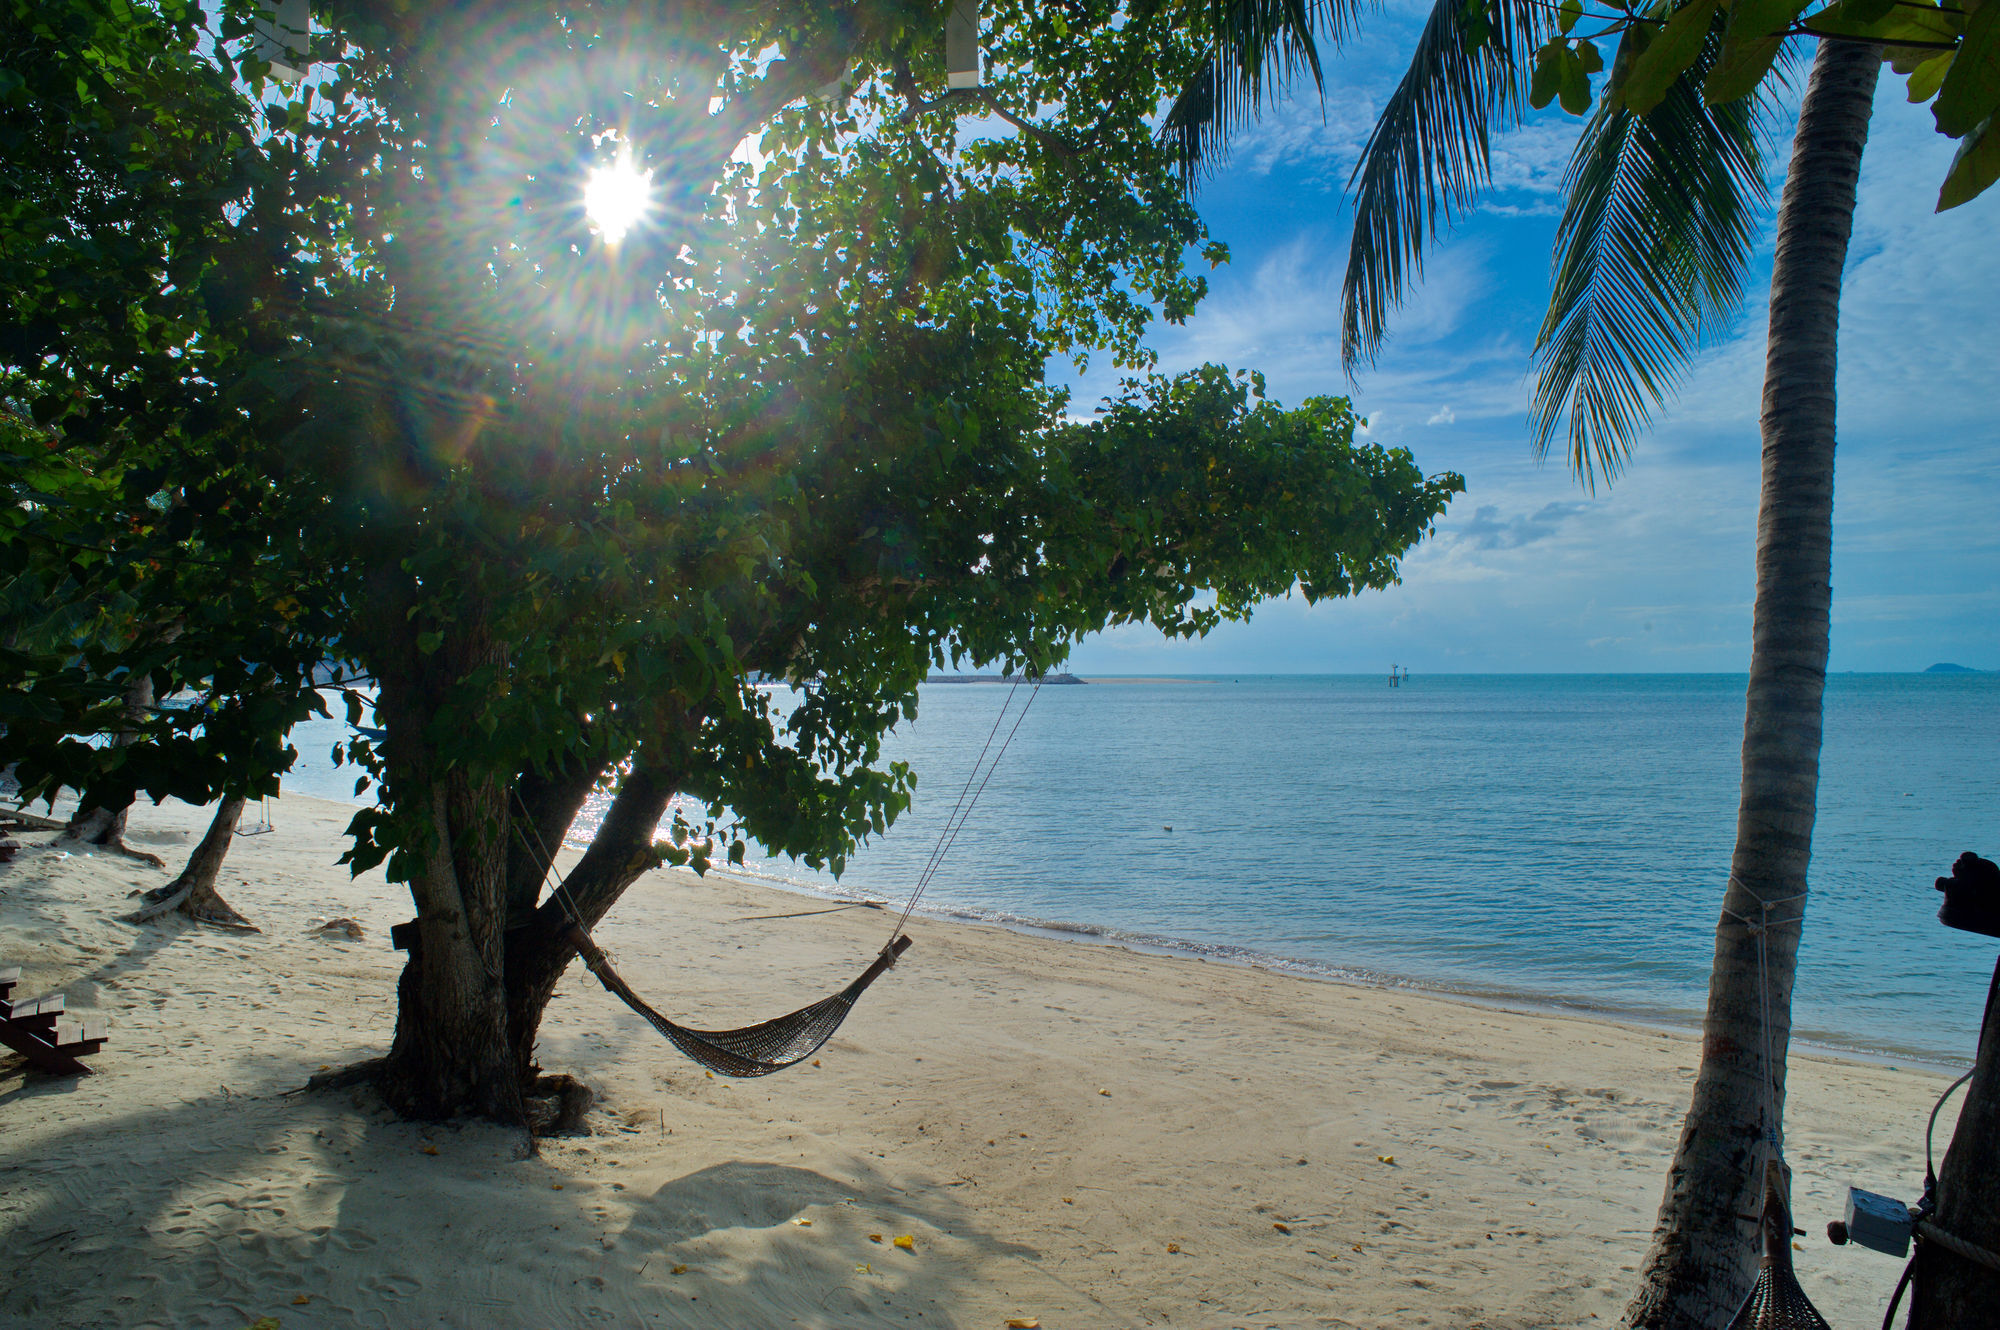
617	197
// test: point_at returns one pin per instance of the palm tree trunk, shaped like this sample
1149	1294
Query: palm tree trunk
1704	1255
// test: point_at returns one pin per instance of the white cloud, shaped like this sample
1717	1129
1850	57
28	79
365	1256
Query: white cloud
1526	571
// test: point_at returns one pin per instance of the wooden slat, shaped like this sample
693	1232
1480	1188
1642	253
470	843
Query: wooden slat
40	1013
39	1051
81	1038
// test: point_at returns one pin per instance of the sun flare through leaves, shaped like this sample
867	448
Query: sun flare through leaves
617	195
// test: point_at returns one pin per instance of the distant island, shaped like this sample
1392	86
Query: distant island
1000	678
1946	667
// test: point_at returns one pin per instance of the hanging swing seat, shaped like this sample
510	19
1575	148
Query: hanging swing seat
752	1050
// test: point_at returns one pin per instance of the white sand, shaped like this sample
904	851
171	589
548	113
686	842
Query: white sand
183	1186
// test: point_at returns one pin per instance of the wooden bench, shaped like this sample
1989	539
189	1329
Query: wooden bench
39	1030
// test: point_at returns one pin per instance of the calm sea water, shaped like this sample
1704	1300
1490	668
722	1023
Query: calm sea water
1559	839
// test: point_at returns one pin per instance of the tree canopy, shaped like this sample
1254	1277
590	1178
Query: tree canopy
340	372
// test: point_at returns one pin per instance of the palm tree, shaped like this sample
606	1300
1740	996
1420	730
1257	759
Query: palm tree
1651	253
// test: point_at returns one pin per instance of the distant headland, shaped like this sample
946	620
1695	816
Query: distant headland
1000	678
1947	667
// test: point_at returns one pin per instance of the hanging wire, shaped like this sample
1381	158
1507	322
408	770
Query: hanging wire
950	836
945	831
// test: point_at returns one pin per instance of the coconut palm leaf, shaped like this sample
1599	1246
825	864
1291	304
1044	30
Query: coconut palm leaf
1257	48
1661	211
1428	156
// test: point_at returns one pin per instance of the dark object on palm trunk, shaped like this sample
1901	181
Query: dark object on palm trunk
1971	896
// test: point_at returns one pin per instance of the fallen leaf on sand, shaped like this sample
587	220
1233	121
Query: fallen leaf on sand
1173	1249
555	1186
302	1300
864	1269
874	1237
709	1074
906	1242
1282	1227
678	1270
815	1062
1386	1159
1023	1323
326	1066
264	1323
430	1149
1069	1200
803	1223
1105	1093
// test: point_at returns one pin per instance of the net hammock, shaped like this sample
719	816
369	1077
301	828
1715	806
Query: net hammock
786	1041
753	1050
1776	1300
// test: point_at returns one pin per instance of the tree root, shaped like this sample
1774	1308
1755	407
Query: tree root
558	1106
193	893
178	895
117	845
364	1072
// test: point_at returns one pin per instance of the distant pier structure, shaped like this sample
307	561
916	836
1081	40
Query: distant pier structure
1398	676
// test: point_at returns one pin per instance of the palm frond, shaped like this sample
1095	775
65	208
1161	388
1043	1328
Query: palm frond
1661	213
1428	156
1257	49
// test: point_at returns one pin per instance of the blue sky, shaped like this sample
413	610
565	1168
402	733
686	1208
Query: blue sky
1529	572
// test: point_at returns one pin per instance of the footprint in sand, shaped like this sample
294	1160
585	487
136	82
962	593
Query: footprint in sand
392	1286
352	1239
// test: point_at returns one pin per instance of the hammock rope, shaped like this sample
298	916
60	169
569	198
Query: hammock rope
1777	1301
785	1041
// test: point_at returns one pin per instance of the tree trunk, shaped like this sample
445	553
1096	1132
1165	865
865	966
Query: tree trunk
618	855
193	893
450	1052
1951	1292
1704	1256
95	824
545	806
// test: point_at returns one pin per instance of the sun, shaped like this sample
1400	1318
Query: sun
616	197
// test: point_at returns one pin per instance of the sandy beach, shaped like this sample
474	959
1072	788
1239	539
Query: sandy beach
1068	1132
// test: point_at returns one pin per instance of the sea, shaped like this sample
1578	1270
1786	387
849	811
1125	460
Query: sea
1553	841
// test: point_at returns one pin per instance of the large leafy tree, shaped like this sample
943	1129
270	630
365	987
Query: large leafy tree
1663	195
567	500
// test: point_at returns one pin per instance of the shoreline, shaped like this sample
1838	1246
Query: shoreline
1497	997
1096	1137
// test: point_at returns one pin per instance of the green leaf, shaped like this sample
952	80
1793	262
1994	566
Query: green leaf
1976	165
1548	76
1575	84
1593	60
1971	88
1908	22
1926	78
1567	17
1670	55
1866	12
1631	46
1751	40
